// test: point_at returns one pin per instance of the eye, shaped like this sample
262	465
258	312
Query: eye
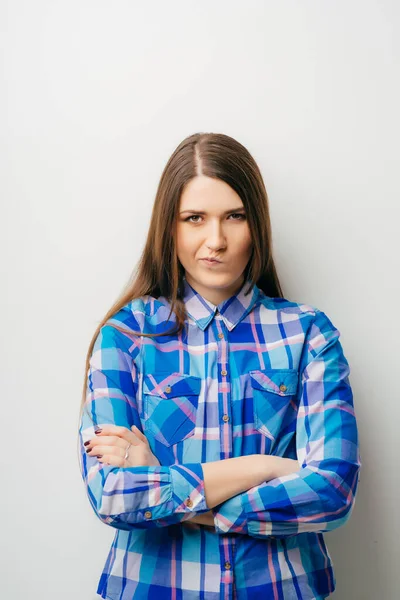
242	217
191	217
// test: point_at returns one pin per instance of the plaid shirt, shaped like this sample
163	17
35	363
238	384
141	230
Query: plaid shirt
255	375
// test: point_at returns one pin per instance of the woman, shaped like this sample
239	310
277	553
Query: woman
218	433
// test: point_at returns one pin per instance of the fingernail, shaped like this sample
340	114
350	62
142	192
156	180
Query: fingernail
98	430
86	443
99	456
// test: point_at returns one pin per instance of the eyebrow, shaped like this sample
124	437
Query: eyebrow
202	212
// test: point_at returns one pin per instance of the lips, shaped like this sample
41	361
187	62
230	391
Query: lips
211	264
211	260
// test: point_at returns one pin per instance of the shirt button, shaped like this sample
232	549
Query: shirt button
227	565
220	335
283	388
168	389
189	502
147	514
224	372
225	418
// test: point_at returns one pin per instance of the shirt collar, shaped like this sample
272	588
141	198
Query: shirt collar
232	310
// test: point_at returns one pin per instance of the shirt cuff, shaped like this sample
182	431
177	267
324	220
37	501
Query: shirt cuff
229	517
188	494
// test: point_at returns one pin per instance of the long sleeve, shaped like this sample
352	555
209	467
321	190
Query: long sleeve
320	496
130	497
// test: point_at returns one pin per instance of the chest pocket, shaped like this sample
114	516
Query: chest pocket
170	402
273	392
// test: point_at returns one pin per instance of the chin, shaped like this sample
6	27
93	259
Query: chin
215	280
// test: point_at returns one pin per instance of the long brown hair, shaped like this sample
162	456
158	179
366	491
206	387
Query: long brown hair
158	271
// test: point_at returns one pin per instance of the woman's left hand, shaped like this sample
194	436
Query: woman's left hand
111	443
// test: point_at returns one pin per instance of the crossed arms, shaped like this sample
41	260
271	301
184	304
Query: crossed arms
255	495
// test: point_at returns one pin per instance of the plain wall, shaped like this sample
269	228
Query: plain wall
94	97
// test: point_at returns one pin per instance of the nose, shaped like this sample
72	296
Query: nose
215	236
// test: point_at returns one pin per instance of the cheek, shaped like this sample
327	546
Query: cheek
184	244
243	242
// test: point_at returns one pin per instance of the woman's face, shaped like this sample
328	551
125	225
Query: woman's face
221	231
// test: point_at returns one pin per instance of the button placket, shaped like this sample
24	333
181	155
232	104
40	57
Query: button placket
226	445
224	391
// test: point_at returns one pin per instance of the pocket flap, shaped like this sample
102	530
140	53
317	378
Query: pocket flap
279	381
169	385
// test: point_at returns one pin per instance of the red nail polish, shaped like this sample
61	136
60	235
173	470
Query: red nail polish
86	443
99	456
98	430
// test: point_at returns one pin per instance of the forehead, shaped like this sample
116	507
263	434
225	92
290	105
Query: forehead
206	193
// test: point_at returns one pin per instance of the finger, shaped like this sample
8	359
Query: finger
115	440
109	440
110	429
103	450
121	432
139	434
112	460
117	450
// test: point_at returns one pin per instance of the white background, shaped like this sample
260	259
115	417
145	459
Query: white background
94	98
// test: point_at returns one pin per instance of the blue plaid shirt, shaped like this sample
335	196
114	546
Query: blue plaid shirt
255	375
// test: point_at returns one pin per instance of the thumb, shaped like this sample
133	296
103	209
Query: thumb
138	433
